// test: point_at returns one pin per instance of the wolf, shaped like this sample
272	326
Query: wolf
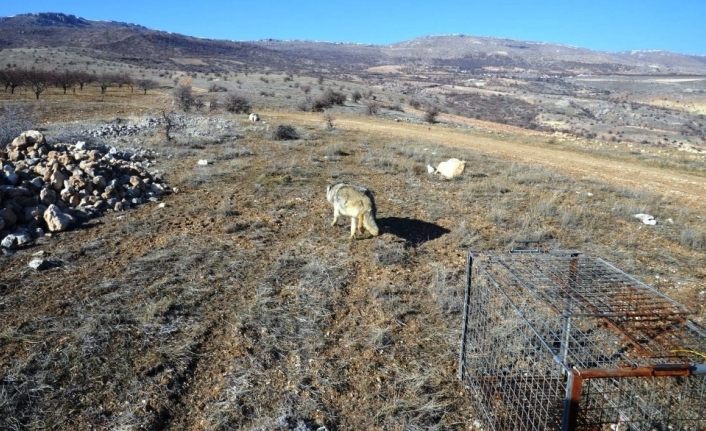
356	202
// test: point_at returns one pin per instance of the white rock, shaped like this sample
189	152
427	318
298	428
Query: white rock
161	205
57	220
646	219
38	264
57	180
430	169
8	241
202	162
80	145
451	168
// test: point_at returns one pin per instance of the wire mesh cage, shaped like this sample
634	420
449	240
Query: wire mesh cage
566	341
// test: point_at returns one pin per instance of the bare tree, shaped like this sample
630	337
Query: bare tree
169	124
65	80
83	78
125	79
12	78
105	80
38	81
146	84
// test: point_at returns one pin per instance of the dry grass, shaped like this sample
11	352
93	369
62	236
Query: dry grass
238	307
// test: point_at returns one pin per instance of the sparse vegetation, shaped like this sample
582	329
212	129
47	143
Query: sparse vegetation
183	97
430	114
328	99
285	132
146	84
237	104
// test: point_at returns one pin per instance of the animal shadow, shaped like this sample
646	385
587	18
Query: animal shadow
413	232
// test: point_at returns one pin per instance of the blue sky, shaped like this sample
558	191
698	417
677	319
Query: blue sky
615	25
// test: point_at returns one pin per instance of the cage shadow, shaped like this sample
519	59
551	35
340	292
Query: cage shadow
414	232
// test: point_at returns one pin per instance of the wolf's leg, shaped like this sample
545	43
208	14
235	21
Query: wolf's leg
353	226
360	224
335	217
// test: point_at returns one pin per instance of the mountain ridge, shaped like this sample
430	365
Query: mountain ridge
464	53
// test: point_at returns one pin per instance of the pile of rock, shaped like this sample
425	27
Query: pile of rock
53	188
121	128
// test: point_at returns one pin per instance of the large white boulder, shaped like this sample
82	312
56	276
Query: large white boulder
451	168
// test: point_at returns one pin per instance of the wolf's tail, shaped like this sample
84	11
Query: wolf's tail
369	223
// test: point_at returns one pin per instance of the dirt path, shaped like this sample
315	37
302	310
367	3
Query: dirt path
686	187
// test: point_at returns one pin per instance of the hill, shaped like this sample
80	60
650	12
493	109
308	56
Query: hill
136	44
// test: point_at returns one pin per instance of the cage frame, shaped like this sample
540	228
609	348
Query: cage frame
577	376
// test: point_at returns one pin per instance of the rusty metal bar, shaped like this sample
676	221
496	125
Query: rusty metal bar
574	385
576	377
662	370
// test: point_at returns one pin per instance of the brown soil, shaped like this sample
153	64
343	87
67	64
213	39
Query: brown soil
238	306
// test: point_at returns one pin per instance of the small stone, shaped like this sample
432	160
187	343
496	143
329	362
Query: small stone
37	182
57	180
47	196
99	181
8	241
23	238
10	175
161	205
202	162
56	219
39	264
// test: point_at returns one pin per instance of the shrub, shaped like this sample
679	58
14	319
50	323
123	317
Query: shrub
199	104
430	114
285	132
328	99
183	97
328	122
237	104
693	238
356	96
372	108
215	88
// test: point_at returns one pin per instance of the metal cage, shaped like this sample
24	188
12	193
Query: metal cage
565	341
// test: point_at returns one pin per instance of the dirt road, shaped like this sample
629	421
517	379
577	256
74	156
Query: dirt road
686	187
